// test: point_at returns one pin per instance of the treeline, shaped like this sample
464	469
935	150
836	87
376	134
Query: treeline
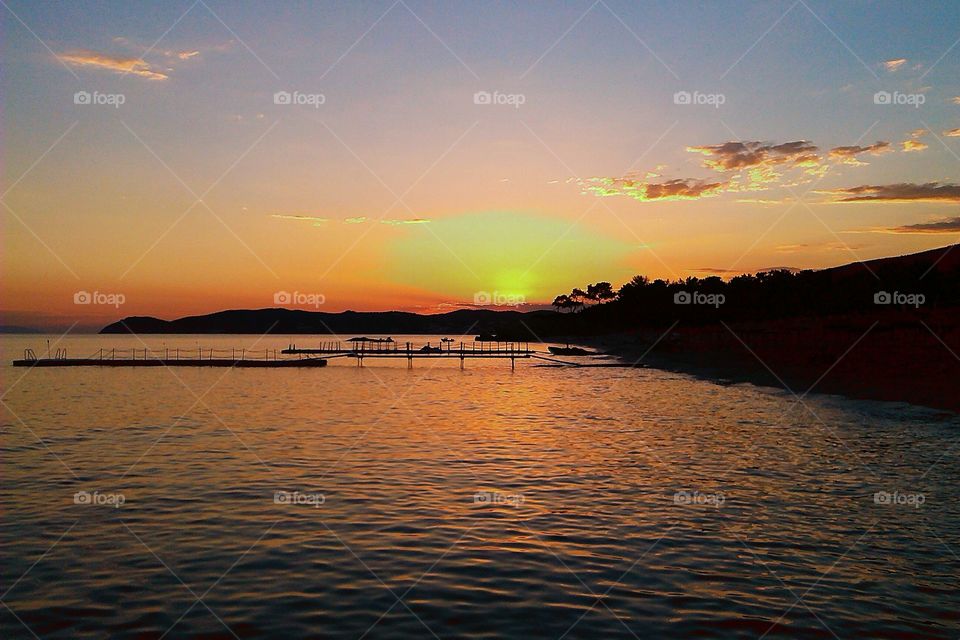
578	298
853	289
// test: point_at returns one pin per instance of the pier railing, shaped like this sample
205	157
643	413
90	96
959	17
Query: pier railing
373	349
174	353
171	357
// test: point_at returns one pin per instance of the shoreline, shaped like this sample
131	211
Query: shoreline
858	376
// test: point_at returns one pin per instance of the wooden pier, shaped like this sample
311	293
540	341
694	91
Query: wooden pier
407	350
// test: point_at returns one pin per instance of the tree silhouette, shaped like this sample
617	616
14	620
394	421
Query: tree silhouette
601	292
577	297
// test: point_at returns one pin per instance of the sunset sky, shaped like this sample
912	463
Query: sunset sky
441	149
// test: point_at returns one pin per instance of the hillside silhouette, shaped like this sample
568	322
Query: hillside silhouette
883	329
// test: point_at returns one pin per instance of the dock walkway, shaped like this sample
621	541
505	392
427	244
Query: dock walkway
169	358
407	350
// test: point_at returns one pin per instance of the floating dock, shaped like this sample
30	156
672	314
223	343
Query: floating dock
169	358
160	362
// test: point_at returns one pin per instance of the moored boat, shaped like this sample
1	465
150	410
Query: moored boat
570	351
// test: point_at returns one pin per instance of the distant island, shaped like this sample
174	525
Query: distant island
9	328
887	328
295	321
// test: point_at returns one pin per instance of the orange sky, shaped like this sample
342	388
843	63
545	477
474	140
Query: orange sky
498	153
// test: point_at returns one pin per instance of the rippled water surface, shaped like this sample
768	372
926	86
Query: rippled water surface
385	502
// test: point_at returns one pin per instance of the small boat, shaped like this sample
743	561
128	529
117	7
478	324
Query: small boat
570	351
428	349
447	340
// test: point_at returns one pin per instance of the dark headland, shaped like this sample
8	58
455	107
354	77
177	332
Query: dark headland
886	329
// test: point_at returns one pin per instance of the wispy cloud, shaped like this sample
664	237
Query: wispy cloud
110	62
848	154
765	200
952	133
638	189
356	220
901	192
731	156
824	246
894	64
714	271
759	164
302	218
131	61
406	221
947	225
914	144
